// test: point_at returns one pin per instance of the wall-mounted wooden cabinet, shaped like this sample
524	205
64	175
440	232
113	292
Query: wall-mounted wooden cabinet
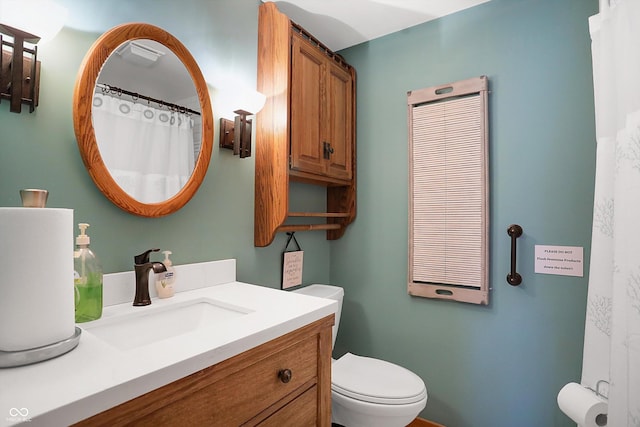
321	113
306	130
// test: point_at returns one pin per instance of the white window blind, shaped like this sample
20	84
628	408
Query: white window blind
448	192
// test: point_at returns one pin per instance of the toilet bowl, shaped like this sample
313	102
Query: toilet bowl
368	392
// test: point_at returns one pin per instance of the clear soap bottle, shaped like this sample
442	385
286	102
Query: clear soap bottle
87	279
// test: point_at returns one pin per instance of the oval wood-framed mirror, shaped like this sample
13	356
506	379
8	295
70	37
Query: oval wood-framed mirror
83	95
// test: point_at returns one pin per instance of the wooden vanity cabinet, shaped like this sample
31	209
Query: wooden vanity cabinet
306	130
284	382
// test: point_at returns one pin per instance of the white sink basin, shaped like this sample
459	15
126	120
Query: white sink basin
149	325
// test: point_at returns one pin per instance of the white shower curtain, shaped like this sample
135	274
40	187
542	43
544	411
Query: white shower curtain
148	151
612	331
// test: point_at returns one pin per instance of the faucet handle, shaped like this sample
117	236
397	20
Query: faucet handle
143	258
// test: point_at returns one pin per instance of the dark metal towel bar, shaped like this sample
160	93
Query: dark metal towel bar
513	278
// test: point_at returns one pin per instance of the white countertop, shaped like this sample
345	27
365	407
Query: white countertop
96	376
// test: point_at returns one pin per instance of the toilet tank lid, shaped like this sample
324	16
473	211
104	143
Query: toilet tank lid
321	291
376	381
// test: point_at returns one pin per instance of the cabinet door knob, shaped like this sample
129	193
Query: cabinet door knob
285	375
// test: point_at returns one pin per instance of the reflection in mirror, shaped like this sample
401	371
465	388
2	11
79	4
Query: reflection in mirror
145	127
143	119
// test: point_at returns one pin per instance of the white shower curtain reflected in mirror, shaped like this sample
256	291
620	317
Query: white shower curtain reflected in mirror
148	151
612	331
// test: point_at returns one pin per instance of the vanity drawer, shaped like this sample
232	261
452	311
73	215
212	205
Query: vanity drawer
263	384
247	393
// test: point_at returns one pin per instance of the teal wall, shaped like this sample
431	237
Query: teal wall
39	150
500	365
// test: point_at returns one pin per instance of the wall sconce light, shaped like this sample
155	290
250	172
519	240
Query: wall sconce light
236	134
20	75
25	22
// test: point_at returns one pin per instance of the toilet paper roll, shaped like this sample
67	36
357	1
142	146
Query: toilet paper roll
36	277
583	406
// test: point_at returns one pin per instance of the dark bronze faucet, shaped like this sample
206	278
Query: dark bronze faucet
142	266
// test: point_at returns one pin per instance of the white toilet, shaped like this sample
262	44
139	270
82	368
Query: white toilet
368	392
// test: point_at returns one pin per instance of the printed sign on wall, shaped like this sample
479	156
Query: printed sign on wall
561	260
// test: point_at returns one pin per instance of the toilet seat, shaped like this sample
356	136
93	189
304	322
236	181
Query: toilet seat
375	381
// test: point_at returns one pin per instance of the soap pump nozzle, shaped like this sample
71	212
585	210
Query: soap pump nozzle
167	262
82	238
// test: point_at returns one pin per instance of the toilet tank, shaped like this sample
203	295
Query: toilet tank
330	292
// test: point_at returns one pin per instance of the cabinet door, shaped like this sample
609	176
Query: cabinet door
339	121
321	113
307	78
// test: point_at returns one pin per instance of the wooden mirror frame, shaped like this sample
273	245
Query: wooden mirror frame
83	123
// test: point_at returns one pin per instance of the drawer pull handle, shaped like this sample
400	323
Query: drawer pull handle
285	375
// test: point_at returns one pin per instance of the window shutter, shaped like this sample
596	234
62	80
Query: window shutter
448	200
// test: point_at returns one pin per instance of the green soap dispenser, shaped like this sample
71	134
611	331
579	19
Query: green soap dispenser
87	279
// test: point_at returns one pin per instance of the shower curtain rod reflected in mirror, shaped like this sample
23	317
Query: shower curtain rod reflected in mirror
113	90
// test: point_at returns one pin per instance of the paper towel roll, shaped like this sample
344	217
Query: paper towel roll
36	277
583	406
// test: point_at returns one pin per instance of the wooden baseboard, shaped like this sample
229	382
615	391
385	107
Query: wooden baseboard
421	422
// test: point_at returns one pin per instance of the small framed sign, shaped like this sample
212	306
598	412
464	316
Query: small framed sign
292	265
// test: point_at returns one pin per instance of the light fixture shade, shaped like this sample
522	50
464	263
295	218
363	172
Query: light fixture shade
250	100
232	95
43	18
